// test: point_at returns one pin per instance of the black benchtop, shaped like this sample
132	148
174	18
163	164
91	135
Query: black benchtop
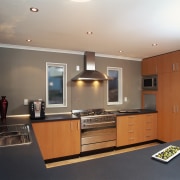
56	117
136	165
69	116
26	162
22	162
128	112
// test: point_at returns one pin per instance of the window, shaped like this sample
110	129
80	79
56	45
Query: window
114	86
56	80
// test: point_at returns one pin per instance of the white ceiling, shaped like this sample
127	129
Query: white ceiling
128	25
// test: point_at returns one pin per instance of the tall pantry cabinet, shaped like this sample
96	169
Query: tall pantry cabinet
168	102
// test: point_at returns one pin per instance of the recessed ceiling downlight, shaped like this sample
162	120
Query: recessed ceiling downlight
33	9
89	32
154	44
28	40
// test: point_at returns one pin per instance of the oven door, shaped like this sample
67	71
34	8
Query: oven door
98	138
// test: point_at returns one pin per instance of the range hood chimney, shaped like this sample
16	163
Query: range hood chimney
90	72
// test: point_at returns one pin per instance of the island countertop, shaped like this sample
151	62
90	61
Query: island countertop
135	165
25	162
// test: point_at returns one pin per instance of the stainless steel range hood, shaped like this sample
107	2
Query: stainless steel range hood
89	72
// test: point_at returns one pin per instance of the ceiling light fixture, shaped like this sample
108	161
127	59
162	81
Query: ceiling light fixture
32	9
154	44
28	40
89	32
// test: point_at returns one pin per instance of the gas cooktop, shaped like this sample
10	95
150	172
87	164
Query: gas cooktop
89	112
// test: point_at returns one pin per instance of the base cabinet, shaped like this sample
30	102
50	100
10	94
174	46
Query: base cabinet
58	138
136	128
150	126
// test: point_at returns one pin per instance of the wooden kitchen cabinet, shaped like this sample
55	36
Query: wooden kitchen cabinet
169	107
168	98
150	126
136	128
169	62
58	138
149	66
165	63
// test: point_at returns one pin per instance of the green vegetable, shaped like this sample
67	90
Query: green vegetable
167	153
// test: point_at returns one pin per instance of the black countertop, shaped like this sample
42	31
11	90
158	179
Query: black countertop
22	162
26	162
56	117
128	112
135	165
69	116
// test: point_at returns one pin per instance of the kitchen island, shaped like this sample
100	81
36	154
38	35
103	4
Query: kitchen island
26	162
136	165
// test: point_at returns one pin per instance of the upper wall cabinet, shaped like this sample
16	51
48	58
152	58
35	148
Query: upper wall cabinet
165	63
169	62
149	66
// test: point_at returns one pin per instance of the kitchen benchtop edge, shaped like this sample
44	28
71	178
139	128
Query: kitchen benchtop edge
57	117
64	117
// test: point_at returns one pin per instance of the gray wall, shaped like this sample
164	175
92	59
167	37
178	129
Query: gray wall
23	76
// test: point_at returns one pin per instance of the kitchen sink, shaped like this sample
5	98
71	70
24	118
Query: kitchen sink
15	134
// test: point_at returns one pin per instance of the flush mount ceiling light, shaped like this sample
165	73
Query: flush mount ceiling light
32	9
154	44
89	32
28	40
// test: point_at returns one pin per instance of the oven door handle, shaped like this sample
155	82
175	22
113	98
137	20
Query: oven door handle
101	123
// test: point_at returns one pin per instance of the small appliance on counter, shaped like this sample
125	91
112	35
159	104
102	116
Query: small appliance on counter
37	109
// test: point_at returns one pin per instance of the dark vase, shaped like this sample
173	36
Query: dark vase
3	108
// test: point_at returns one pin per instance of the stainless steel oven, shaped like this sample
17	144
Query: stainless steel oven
98	130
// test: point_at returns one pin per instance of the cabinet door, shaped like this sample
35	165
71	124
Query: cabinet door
149	66
165	107
129	130
150	126
58	138
132	129
74	137
175	121
169	62
122	131
66	138
44	136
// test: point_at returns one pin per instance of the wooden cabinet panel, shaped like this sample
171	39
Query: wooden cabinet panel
122	131
168	101
165	110
149	66
136	128
169	105
169	62
150	126
58	138
175	133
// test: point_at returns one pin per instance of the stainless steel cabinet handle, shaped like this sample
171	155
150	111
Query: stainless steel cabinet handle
173	67
101	123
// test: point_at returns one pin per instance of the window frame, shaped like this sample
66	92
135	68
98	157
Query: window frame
119	85
64	98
